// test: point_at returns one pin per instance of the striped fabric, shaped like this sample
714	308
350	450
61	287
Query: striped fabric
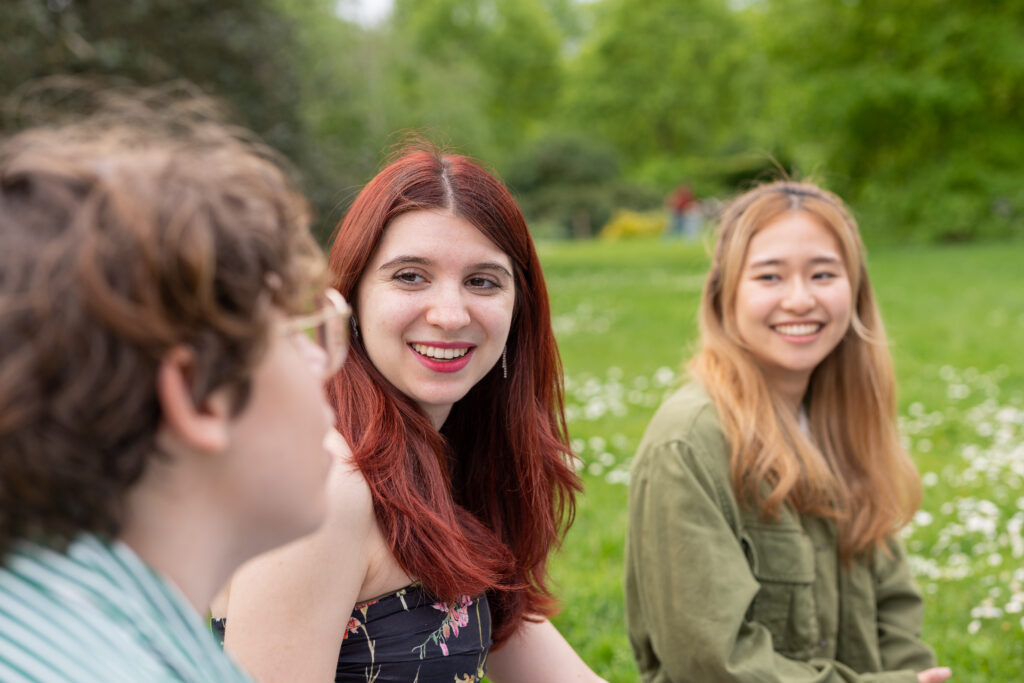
98	613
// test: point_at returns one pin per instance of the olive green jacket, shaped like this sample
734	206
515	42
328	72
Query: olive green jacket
713	593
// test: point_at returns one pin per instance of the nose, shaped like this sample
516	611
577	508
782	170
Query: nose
799	297
447	309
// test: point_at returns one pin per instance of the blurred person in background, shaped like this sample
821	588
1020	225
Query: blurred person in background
453	404
766	495
686	212
165	335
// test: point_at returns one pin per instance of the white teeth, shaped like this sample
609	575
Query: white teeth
800	330
438	353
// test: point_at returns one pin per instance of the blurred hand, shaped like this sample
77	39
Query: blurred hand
934	675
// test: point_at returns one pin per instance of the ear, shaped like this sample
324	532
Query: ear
202	427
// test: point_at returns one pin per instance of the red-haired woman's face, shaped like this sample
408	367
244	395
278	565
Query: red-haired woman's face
434	307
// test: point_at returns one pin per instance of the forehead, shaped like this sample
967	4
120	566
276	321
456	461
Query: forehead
437	235
794	235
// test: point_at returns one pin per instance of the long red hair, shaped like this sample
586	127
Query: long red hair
478	506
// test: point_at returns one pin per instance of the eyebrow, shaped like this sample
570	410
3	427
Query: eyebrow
420	261
778	262
405	261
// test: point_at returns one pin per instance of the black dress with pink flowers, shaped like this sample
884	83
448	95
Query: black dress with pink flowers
409	636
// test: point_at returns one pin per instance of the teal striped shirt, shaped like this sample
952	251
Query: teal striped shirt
98	613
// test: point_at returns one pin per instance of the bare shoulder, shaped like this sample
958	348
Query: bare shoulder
352	515
349	500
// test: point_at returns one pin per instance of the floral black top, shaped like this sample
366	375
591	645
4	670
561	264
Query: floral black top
409	636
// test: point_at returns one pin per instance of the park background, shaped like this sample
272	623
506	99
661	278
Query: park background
593	112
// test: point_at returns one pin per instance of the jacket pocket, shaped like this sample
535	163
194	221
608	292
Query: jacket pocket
784	567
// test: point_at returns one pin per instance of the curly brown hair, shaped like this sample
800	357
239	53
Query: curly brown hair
123	237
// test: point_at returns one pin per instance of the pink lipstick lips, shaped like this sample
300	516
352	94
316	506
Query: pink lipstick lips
443	356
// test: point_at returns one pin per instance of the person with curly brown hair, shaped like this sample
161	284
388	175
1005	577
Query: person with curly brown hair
165	333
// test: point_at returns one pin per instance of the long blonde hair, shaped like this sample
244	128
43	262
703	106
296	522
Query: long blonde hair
852	468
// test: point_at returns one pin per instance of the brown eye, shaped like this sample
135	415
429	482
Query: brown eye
409	278
482	283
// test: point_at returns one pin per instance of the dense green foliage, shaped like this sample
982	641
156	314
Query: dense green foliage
625	317
221	47
907	106
907	109
665	81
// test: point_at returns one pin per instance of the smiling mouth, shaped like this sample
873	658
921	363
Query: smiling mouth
798	329
437	353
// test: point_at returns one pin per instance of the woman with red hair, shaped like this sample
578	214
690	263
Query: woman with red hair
453	405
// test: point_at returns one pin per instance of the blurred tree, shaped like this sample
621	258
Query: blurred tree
574	181
908	109
484	70
664	79
911	107
221	46
343	99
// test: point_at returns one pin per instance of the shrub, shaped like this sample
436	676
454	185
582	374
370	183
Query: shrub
573	181
627	224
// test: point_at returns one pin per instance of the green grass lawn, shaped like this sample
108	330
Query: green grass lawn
625	316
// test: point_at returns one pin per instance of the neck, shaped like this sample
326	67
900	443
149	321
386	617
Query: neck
437	415
175	527
790	391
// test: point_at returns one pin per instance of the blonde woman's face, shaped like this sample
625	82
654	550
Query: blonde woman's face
793	301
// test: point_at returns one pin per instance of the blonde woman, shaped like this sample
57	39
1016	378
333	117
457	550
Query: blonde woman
766	494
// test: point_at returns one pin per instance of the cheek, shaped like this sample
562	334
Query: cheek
380	314
752	304
841	304
287	398
499	317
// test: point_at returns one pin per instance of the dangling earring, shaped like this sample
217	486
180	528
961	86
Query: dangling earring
504	363
355	327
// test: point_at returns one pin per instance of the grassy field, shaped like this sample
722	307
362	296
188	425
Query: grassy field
625	313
